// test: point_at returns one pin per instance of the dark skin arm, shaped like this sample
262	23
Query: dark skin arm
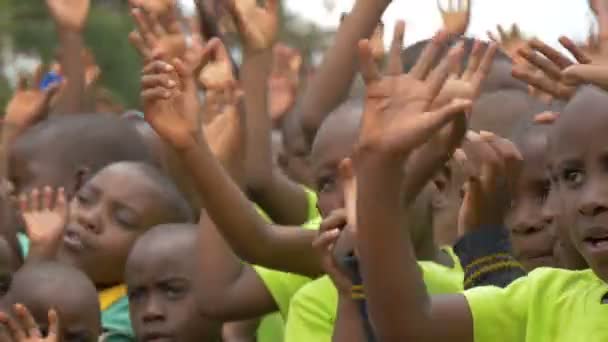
284	201
396	122
332	80
70	18
349	325
251	238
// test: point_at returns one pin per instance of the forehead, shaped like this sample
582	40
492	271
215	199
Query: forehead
581	129
123	180
161	258
334	141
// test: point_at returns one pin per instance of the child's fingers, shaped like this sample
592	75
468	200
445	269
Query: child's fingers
542	63
545	118
158	80
335	220
555	56
501	32
53	330
510	155
368	67
35	200
586	73
578	54
157	66
439	75
537	80
395	65
272	6
325	239
60	200
47	198
145	31
138	42
429	54
14	328
484	67
155	94
492	37
435	120
23	203
209	51
237	15
474	60
27	321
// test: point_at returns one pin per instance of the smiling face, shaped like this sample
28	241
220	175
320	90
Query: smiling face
532	229
107	215
162	287
579	167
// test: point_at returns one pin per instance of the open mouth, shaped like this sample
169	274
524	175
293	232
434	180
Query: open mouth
156	337
73	241
596	238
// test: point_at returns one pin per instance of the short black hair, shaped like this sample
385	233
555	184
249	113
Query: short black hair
500	111
43	285
73	142
179	207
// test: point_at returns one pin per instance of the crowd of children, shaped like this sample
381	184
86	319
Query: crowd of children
447	191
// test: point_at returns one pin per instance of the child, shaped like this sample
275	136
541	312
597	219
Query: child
106	216
162	282
45	286
56	153
401	308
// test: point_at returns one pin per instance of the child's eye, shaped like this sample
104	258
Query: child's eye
174	292
573	177
135	295
84	197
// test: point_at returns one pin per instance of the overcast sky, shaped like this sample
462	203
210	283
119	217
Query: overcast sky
546	19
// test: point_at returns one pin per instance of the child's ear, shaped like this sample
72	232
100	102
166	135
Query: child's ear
440	188
80	177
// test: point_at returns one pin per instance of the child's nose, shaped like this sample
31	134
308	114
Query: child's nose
153	311
593	201
90	221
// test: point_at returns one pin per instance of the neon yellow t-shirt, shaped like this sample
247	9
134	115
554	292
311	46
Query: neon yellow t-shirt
313	310
281	285
549	305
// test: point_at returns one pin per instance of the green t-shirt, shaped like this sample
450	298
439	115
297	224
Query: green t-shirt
281	285
313	310
549	305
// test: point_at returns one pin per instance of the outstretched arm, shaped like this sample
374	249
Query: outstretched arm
333	78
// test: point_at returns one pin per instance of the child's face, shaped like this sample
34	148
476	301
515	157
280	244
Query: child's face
532	229
326	155
579	165
106	216
162	295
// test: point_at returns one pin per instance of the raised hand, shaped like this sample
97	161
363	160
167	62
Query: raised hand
324	244
164	104
284	80
45	214
258	26
396	118
69	15
216	72
23	328
377	43
491	164
456	17
510	42
549	64
29	104
468	84
157	8
157	37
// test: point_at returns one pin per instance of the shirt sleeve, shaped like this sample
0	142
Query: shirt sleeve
500	314
312	313
281	285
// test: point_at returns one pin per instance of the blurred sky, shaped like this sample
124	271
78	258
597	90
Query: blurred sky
546	19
